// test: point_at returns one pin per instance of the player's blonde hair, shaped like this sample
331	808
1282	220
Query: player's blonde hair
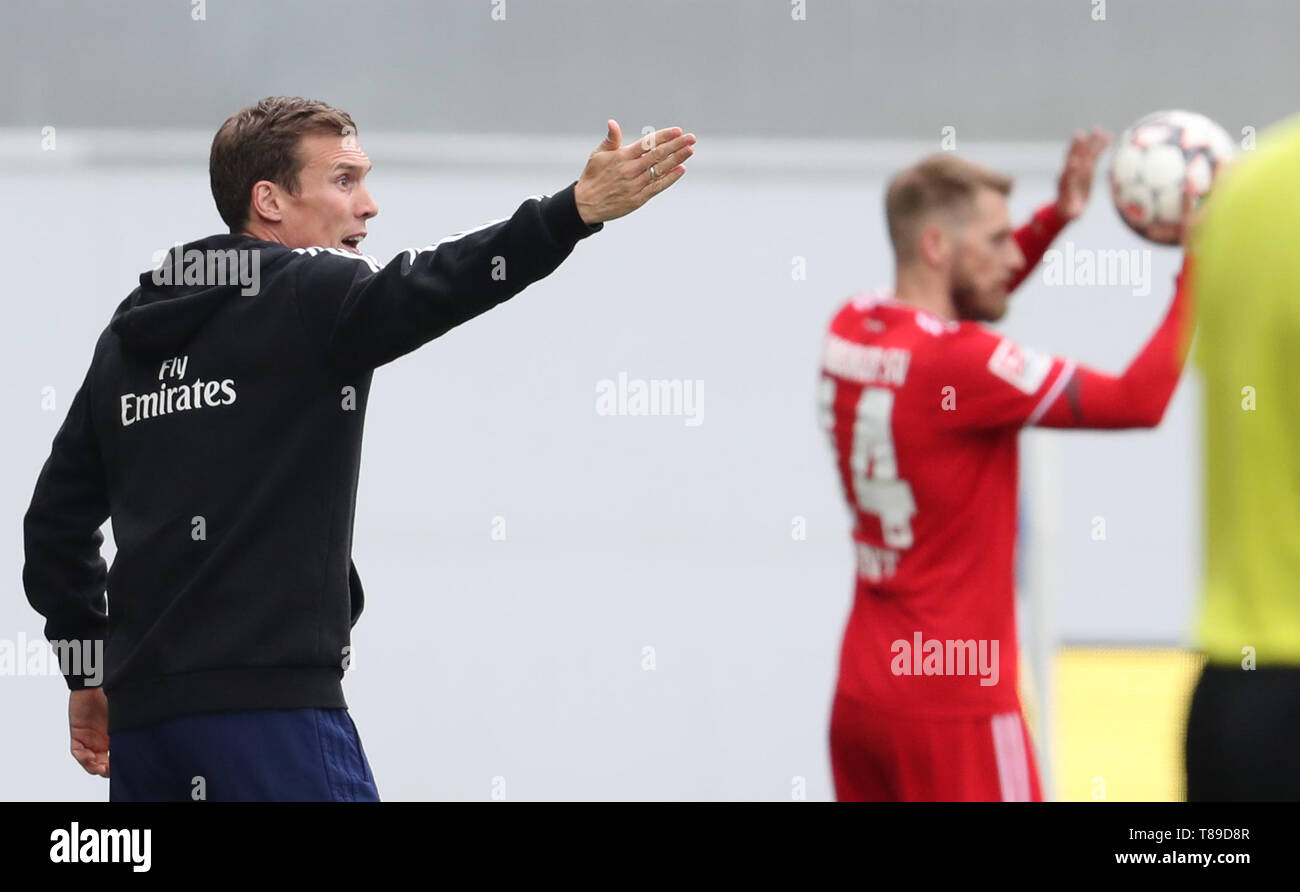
941	182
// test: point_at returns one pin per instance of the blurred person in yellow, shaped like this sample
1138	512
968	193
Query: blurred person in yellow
1243	729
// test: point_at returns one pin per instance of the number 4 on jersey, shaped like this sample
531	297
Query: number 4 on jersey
876	485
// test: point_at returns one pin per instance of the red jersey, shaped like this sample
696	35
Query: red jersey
924	416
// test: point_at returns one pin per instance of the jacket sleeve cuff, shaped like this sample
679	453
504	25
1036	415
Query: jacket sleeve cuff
78	682
561	213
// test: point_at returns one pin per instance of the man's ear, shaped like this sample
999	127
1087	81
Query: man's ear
265	202
934	244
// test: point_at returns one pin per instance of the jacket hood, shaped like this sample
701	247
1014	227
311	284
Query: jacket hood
175	300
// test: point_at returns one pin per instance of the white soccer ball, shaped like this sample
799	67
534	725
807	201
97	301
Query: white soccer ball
1152	161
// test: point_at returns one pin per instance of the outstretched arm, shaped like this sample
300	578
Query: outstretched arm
363	315
1072	189
1001	384
618	179
1139	396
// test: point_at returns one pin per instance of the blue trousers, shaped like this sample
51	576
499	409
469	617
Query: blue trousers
261	755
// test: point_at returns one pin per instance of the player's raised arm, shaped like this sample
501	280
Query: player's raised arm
1003	384
997	383
1075	182
366	315
1072	190
1139	396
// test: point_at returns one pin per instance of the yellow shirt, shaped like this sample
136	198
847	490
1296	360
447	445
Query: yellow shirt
1246	285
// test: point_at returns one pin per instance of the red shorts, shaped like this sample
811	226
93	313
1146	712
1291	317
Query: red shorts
886	757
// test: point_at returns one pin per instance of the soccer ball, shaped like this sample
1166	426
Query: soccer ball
1154	158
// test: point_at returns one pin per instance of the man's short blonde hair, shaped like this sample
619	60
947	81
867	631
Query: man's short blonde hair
941	182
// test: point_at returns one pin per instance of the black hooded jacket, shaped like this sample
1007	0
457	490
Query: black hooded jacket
219	427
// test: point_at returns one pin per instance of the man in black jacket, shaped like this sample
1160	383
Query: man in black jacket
220	427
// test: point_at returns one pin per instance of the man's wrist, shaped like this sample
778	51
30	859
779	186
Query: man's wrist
568	216
577	204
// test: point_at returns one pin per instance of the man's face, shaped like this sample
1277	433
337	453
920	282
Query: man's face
985	259
333	203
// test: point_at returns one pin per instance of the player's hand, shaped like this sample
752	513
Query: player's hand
1076	177
88	724
1193	210
618	179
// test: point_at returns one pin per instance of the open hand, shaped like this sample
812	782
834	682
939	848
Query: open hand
618	179
1076	177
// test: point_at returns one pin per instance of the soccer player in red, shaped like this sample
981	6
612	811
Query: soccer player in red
924	407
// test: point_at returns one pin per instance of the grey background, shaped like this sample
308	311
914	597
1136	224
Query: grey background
522	659
1000	69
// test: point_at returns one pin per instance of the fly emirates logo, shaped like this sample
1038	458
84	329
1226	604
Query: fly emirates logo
172	396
